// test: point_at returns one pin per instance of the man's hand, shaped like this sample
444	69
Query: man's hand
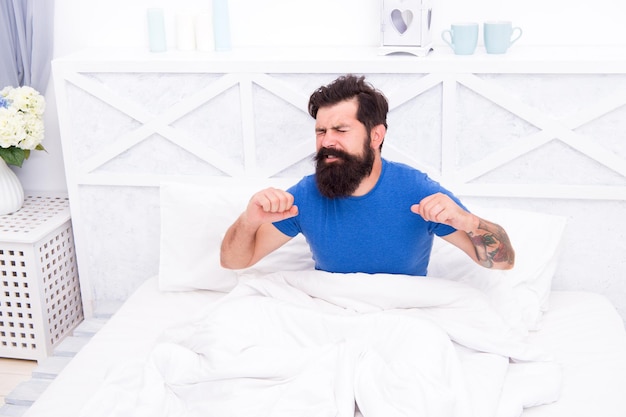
440	208
269	206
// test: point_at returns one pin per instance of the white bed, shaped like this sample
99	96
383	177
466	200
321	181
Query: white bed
131	126
500	341
582	329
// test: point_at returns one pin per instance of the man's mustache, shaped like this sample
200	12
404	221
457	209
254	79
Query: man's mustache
325	152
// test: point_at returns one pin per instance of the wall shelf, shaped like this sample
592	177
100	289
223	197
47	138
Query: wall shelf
518	60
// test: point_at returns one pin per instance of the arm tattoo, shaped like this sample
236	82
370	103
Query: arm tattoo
492	244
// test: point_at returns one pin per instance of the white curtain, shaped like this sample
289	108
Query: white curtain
26	41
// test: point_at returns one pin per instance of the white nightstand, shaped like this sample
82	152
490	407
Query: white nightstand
40	299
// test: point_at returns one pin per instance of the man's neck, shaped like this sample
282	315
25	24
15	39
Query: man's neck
370	181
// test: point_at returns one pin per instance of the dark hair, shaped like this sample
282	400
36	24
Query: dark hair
373	105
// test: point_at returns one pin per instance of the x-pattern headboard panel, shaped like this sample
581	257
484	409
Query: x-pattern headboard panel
129	124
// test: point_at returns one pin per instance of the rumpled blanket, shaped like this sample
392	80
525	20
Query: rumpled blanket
319	344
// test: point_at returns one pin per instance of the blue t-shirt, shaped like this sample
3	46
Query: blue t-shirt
374	233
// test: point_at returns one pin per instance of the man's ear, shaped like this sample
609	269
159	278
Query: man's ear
378	135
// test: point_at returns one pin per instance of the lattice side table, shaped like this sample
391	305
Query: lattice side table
40	299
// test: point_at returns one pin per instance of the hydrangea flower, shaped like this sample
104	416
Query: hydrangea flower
21	123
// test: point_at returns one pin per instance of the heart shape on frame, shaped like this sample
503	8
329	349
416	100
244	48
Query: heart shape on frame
401	20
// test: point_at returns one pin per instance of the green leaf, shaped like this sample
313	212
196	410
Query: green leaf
13	155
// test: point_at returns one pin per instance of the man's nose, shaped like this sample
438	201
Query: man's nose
329	140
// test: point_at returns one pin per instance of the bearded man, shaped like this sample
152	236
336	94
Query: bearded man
360	212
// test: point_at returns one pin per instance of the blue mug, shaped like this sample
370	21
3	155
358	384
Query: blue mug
499	36
463	37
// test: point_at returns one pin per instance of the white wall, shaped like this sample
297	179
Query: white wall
83	24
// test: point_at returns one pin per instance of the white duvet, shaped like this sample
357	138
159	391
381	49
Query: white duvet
319	344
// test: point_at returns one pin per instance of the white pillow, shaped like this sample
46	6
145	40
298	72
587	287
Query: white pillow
194	219
522	293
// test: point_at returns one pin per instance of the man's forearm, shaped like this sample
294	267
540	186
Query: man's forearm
492	245
238	245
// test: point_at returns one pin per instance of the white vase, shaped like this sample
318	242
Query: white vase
11	191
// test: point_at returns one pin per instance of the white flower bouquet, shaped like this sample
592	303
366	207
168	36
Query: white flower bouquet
21	123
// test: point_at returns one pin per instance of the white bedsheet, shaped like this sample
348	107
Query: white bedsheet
587	337
315	344
592	352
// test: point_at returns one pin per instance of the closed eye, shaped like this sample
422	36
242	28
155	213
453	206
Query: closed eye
339	129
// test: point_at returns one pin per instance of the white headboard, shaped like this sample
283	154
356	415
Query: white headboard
536	129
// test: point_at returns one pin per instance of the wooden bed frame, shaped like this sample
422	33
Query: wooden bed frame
537	128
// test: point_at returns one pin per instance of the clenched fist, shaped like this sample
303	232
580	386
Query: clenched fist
270	205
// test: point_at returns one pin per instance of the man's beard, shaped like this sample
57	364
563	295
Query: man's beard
342	177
